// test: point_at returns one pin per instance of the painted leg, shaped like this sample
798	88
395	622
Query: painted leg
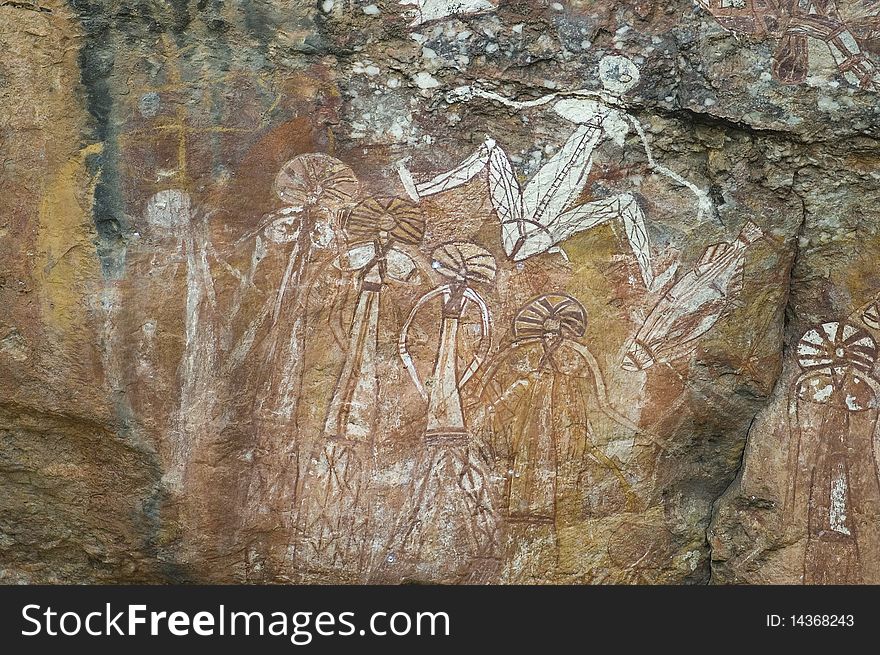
507	200
560	181
539	238
637	235
535	228
335	517
359	356
458	176
583	217
851	61
450	527
197	367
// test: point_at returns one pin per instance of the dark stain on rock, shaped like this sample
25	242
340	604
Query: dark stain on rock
180	14
258	23
96	62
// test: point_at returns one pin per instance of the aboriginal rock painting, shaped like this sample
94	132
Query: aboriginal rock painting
537	399
291	245
410	404
692	305
834	486
170	213
792	25
336	521
315	189
537	218
451	509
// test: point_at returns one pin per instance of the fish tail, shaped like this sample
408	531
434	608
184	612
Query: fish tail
750	233
638	357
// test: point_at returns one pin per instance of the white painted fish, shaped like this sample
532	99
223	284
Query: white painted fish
693	305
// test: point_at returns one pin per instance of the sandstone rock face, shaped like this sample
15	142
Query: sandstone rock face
426	291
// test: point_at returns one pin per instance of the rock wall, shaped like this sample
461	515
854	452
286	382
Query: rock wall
493	291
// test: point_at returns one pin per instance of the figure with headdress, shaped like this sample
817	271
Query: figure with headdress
834	490
300	238
449	526
336	518
540	398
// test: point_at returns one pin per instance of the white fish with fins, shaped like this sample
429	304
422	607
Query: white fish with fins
693	305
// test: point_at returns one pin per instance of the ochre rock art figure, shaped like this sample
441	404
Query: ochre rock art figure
539	397
170	211
693	305
792	23
833	457
377	227
450	524
428	10
336	519
316	190
539	217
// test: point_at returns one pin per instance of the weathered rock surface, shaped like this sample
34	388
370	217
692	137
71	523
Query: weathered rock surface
348	291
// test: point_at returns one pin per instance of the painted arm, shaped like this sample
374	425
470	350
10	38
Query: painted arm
243	347
246	279
404	332
285	224
292	261
461	174
485	337
466	93
497	362
704	203
200	259
601	392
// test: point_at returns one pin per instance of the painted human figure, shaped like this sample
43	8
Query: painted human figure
539	217
541	395
450	524
316	190
834	486
336	515
170	212
793	23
